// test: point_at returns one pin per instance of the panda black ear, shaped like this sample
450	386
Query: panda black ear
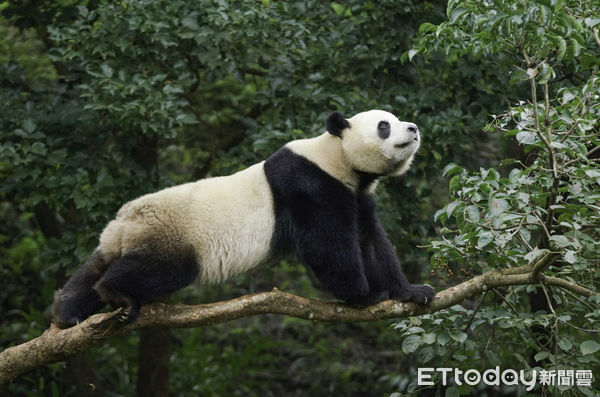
336	123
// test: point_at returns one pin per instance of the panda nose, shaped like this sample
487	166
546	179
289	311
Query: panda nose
413	128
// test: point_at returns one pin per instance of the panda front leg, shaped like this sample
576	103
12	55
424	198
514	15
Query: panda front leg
336	261
381	263
385	274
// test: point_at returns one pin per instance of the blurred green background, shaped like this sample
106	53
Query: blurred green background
102	101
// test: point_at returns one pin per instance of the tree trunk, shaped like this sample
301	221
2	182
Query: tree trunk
153	362
82	374
155	350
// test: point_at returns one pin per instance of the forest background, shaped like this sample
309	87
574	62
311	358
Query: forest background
102	101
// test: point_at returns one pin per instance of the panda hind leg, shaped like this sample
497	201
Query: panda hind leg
133	280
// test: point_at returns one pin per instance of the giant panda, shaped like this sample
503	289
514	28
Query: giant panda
313	197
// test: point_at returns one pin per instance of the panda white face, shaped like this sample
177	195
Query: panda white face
377	142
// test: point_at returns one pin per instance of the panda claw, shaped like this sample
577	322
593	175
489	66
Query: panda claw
124	318
128	313
421	294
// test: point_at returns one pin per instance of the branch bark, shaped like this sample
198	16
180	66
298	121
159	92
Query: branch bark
58	344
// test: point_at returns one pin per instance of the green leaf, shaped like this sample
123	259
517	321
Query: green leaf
546	74
485	188
39	148
473	213
570	256
426	354
29	125
429	338
561	241
484	239
557	5
588	61
460	336
451	169
190	22
574	22
411	343
573	49
536	253
589	347
565	344
592	173
518	76
493	357
451	207
443	339
106	70
562	49
541	356
427	27
341	10
526	137
591	22
457	13
411	53
455	183
498	207
514	175
438	213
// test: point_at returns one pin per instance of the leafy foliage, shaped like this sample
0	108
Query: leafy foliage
543	200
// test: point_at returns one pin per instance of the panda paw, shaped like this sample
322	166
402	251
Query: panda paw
129	313
421	294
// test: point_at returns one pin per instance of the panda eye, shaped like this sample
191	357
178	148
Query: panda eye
384	125
383	129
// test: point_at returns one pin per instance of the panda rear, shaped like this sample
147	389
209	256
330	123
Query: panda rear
313	196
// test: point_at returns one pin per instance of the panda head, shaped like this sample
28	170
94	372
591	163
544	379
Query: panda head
375	141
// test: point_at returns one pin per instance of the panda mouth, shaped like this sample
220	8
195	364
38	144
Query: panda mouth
407	143
403	145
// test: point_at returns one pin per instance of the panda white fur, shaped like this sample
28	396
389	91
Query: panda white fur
313	197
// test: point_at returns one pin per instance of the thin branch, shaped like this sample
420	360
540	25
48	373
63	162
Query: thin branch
547	121
475	311
543	264
548	300
516	313
578	299
534	106
500	229
523	268
581	329
567	285
587	155
552	159
546	231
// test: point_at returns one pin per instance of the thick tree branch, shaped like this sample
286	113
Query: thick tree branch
56	344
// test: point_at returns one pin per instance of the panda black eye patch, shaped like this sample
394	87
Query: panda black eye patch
383	129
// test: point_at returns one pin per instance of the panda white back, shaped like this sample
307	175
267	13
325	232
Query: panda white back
238	210
227	223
